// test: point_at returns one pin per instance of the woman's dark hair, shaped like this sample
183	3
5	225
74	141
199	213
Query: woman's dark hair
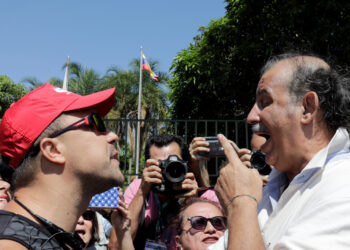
164	140
95	229
188	202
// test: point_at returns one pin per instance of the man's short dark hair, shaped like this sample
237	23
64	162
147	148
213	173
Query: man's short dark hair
27	169
164	140
332	86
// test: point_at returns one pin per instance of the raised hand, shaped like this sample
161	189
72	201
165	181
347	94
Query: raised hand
152	174
189	183
198	144
121	222
235	177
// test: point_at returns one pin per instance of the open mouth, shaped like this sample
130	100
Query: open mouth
266	136
81	233
210	240
4	199
261	130
3	202
115	155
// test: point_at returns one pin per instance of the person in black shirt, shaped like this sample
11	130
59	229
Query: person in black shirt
62	154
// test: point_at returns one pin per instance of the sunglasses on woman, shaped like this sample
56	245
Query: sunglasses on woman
88	215
93	121
200	222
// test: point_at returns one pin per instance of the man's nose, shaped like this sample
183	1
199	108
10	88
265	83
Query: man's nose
112	137
253	116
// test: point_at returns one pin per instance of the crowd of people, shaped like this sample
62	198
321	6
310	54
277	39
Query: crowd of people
57	153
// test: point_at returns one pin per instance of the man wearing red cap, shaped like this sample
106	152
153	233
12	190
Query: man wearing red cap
62	155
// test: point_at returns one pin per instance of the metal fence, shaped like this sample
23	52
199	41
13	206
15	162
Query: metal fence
236	130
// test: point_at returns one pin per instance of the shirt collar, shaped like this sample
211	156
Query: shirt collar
339	144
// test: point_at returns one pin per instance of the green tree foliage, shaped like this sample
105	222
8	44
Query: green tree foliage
153	98
126	82
10	92
34	82
216	76
83	81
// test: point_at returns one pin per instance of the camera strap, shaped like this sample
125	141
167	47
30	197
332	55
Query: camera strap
63	237
163	230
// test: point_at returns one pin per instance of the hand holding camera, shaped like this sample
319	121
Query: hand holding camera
214	146
188	187
198	146
151	175
204	148
175	178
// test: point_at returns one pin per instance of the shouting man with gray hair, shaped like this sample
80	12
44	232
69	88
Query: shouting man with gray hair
302	108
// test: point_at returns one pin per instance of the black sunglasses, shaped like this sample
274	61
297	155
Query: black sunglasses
200	222
6	172
93	121
88	215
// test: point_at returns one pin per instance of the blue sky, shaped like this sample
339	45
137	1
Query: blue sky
38	35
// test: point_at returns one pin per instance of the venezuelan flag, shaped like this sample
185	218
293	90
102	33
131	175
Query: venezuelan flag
146	66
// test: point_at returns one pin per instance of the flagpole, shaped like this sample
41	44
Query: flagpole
138	119
65	81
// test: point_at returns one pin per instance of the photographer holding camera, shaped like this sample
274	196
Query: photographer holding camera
153	200
202	149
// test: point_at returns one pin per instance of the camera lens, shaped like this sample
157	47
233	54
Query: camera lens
258	162
175	172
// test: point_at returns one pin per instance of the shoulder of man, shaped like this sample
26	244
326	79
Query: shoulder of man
131	191
17	230
10	244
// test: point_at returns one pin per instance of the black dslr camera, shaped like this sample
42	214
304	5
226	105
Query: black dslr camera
258	162
174	170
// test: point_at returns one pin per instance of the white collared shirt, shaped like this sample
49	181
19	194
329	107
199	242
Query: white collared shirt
314	210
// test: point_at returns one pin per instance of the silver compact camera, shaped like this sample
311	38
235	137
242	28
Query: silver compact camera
216	150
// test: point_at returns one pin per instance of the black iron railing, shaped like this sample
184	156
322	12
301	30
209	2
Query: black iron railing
236	130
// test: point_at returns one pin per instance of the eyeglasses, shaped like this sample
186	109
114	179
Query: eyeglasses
88	215
93	121
200	222
6	172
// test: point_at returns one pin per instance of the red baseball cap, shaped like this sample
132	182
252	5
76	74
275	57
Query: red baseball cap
27	118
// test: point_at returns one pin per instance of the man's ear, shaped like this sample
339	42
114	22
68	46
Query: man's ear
310	107
51	149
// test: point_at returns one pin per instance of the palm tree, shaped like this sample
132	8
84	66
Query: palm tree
126	86
83	81
34	82
154	98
